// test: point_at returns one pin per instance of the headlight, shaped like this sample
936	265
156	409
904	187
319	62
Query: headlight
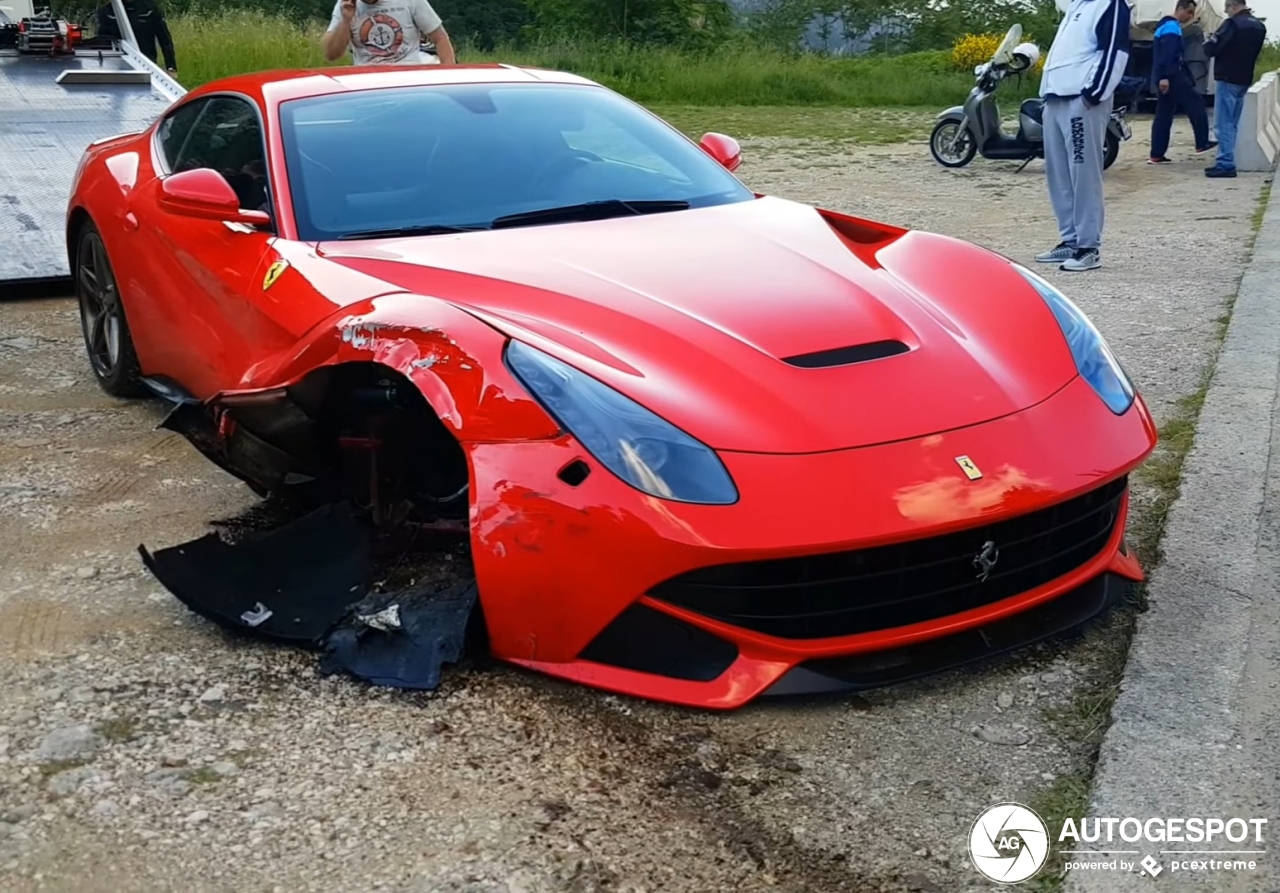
644	450
1093	357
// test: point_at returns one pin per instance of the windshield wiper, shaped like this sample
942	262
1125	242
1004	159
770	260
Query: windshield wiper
432	229
602	210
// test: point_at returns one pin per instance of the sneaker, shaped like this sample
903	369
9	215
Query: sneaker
1056	255
1217	172
1158	159
1213	144
1083	259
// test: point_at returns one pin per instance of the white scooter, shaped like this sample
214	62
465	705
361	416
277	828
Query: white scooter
964	131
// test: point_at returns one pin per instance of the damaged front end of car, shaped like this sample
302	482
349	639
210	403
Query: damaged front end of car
354	441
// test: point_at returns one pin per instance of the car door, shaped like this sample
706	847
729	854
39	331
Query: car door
204	273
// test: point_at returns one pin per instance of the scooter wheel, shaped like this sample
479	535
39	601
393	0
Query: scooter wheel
1110	150
951	146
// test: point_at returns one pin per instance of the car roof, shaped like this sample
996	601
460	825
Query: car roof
275	87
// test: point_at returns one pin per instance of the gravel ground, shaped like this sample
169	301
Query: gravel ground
141	749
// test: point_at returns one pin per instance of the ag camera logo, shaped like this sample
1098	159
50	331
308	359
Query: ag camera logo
1009	843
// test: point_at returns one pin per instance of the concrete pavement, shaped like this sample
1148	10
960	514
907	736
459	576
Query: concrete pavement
1196	729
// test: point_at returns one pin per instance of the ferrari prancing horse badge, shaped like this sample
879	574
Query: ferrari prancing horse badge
970	470
274	273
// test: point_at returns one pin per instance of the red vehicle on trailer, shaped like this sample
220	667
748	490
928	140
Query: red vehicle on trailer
31	28
706	444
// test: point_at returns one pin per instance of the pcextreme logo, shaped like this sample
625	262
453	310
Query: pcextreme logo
1009	843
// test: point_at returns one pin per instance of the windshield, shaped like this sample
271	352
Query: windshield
464	156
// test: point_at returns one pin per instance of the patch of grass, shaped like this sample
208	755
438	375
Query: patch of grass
1268	59
1067	797
53	767
118	730
221	42
1259	213
874	127
243	759
202	775
216	44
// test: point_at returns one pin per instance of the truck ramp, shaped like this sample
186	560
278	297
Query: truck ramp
51	109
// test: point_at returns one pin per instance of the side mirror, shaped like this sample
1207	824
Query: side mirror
204	193
723	149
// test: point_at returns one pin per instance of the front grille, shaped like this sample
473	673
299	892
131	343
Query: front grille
844	593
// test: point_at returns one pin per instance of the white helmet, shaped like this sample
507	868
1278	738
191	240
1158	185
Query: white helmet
1028	51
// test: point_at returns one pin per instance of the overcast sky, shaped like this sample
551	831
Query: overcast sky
1270	9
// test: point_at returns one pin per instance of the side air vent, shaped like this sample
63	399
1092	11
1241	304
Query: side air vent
845	356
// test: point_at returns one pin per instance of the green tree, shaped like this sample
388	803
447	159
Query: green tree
935	24
683	23
484	23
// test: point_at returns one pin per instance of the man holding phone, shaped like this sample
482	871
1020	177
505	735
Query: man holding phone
385	32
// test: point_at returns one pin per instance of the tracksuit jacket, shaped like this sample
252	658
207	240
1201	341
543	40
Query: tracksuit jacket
1245	35
1168	53
1089	52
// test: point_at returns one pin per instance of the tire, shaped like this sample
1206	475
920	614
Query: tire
107	340
943	133
1110	150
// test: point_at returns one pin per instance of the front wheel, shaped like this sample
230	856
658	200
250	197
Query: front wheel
1110	150
951	146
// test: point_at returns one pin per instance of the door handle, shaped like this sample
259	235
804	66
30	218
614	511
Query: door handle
130	221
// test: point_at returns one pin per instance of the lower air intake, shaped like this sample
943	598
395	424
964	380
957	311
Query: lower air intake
845	593
649	641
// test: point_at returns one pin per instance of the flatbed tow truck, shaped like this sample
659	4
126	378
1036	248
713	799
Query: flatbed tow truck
59	93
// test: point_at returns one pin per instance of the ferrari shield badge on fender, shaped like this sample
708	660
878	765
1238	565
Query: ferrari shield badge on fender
273	273
970	470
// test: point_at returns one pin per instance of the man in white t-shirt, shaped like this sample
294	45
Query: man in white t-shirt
386	32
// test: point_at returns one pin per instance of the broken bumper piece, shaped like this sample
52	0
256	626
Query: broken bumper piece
307	583
290	585
402	639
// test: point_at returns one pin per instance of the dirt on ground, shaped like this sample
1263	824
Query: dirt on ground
142	749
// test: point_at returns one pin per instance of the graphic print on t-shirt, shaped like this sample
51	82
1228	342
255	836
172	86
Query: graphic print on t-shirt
382	35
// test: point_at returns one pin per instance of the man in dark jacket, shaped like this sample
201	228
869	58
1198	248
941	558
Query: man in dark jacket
1234	48
149	26
1176	84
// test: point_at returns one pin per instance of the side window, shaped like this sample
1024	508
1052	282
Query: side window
176	128
222	133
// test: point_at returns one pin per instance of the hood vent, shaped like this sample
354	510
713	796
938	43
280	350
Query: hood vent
847	356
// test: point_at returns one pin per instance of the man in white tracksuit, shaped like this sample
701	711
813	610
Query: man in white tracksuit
1083	68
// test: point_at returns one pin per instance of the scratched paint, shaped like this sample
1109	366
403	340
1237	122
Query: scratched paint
361	336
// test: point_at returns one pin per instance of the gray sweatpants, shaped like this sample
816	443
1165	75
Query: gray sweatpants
1074	134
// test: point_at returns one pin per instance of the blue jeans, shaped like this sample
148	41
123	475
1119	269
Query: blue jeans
1228	104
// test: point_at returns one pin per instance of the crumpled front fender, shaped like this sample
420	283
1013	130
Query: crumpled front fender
454	359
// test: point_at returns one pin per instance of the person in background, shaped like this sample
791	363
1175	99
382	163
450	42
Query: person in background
386	32
1081	73
149	27
1176	84
1235	48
